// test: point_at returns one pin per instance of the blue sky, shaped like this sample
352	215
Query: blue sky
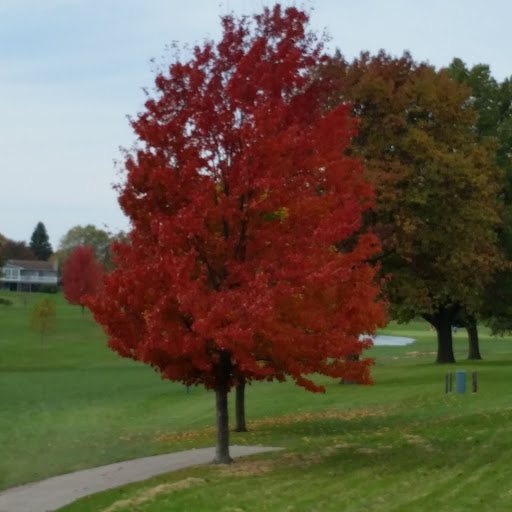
72	70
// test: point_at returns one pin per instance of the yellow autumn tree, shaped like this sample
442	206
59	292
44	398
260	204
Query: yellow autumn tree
43	318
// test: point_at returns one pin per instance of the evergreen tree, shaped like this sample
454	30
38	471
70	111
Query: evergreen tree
40	243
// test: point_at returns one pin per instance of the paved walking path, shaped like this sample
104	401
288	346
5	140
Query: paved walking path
51	494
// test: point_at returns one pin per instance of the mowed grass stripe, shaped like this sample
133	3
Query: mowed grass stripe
413	466
411	476
72	404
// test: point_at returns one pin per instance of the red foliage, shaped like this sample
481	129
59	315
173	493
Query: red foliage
237	193
82	275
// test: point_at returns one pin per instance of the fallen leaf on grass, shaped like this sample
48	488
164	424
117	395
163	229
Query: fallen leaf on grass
419	441
417	353
256	467
366	451
287	419
150	494
329	450
189	435
247	468
329	414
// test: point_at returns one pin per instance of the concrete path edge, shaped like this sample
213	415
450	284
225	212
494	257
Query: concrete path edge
53	493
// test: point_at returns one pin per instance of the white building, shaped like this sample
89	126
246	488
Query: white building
23	274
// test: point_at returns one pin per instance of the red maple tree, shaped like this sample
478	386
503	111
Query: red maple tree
82	275
237	192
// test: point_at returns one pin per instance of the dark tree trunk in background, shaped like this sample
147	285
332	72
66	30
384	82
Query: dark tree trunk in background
442	320
474	345
444	341
350	357
240	406
221	401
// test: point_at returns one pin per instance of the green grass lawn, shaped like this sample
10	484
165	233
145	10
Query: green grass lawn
401	444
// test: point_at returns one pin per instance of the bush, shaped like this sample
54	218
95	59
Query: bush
5	302
49	288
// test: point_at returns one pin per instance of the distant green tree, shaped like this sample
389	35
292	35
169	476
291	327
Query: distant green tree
11	250
43	318
40	243
493	102
89	235
3	240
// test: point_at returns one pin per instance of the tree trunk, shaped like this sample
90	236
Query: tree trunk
240	406
350	357
442	320
444	339
474	347
221	400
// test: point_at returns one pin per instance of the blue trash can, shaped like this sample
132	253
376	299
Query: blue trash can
460	381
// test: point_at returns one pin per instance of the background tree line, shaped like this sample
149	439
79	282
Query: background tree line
39	247
280	197
436	146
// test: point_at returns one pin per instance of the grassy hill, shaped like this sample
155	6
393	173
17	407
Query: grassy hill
401	444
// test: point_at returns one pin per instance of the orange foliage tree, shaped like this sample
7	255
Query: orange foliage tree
237	191
436	185
82	275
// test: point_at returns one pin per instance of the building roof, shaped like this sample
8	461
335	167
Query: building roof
31	265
